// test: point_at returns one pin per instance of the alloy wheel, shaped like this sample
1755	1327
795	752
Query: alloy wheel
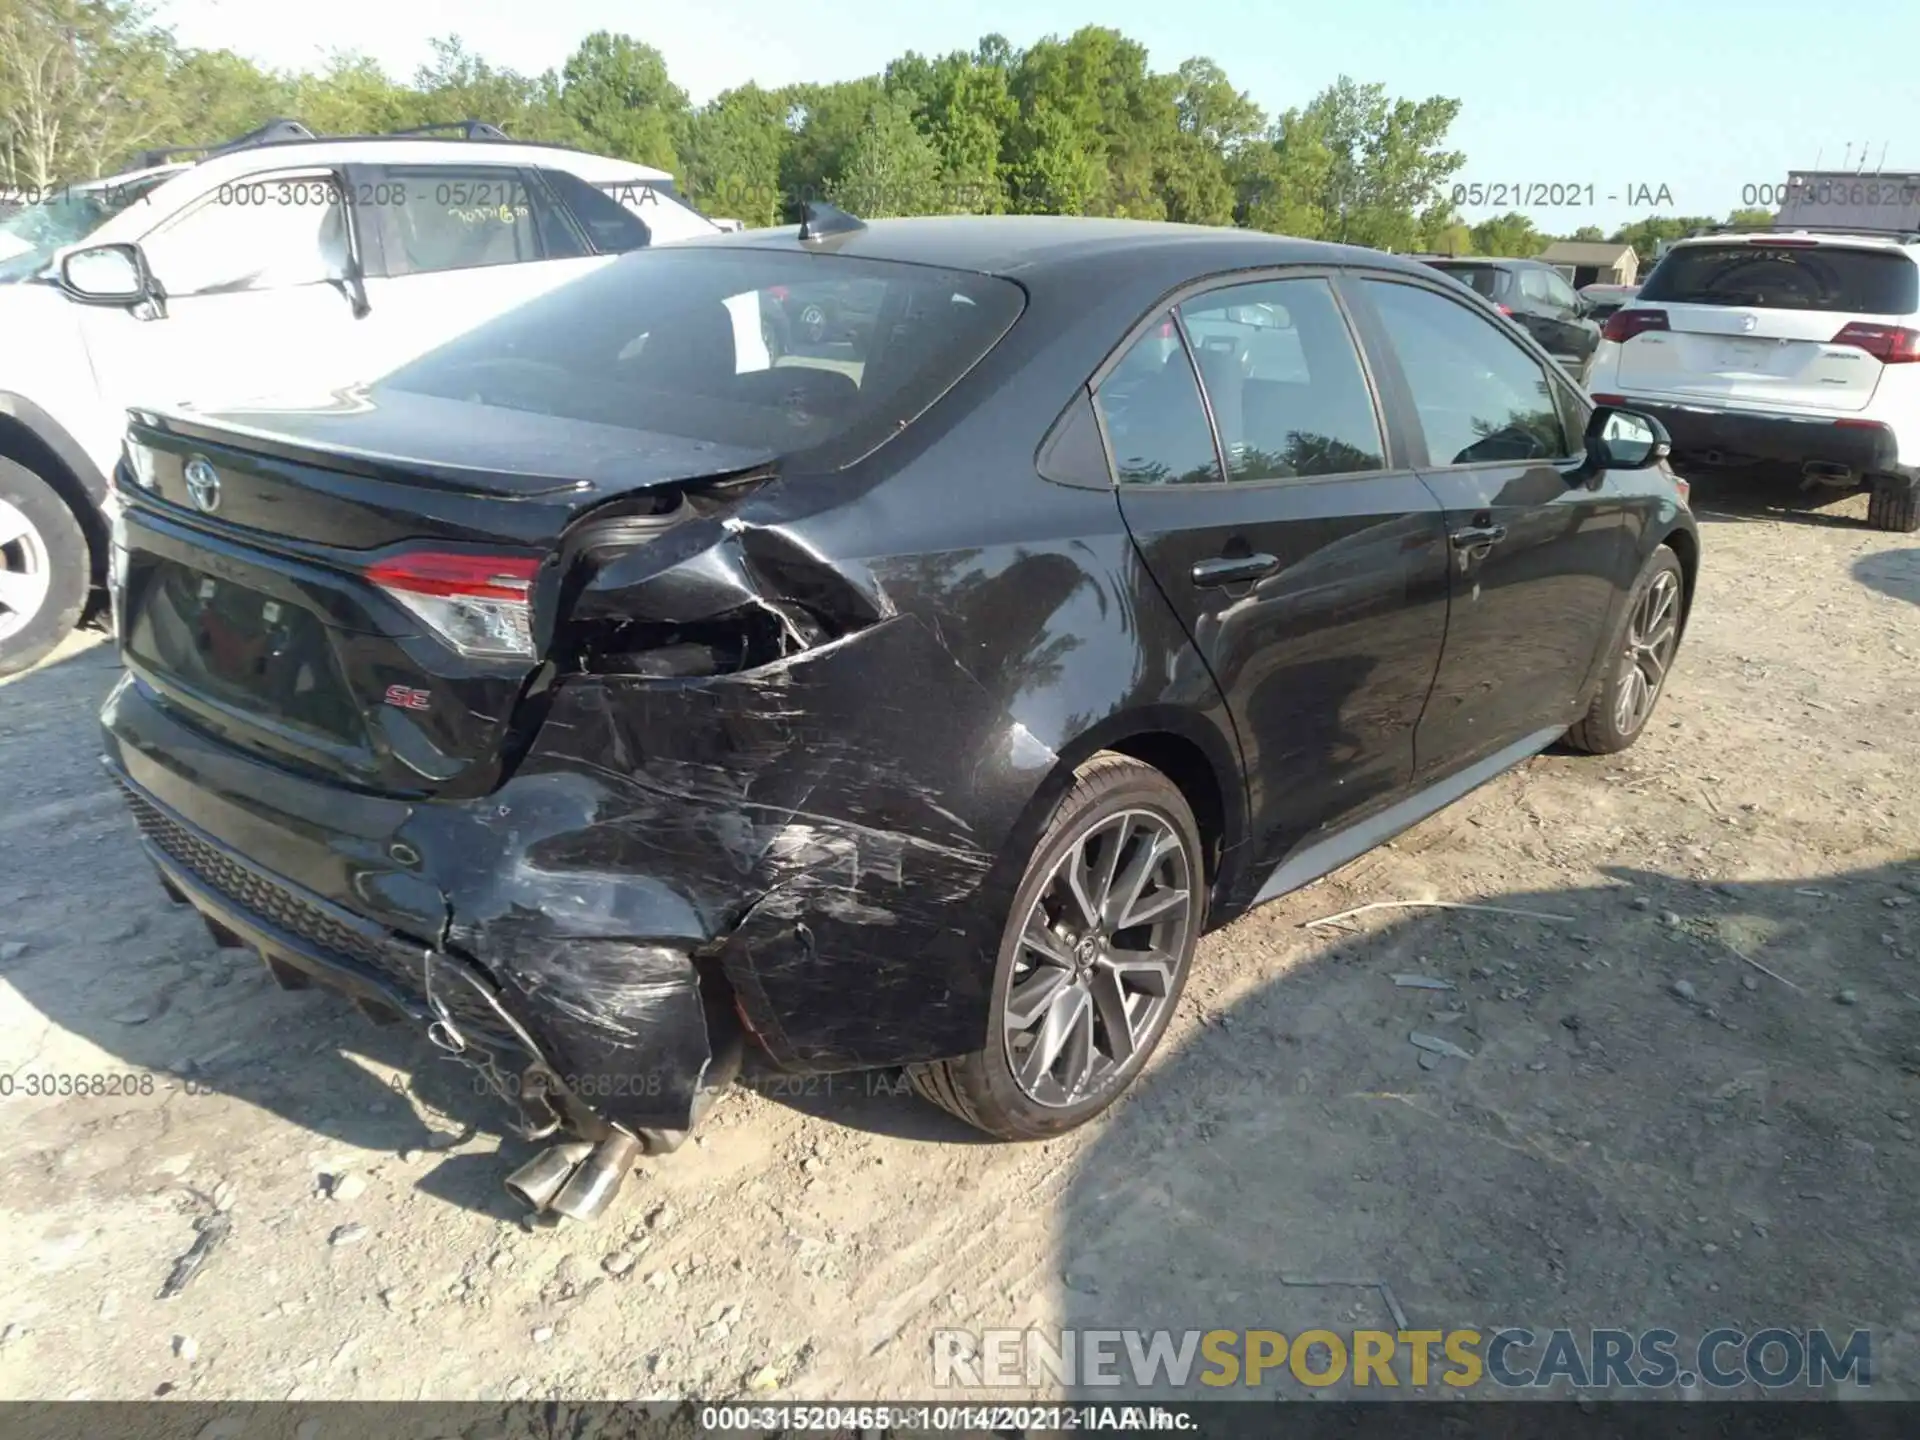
1100	950
25	572
1652	633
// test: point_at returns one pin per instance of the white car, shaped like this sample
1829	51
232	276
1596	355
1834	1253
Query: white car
280	262
1792	349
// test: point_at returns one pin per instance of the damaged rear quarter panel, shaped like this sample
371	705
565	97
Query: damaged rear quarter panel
795	822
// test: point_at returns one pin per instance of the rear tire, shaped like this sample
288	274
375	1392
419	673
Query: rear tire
1642	655
1894	504
45	570
1093	988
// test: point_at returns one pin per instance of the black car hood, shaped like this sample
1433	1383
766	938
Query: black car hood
462	445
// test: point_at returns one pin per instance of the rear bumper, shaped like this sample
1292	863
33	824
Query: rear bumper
575	1030
1737	437
666	863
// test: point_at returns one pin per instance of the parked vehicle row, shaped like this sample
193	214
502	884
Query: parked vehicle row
886	644
183	278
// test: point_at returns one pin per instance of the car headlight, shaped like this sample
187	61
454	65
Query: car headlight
140	463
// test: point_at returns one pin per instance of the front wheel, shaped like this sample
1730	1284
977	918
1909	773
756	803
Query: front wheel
44	569
1641	660
1092	961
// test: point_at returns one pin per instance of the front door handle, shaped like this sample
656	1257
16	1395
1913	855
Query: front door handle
1233	570
1479	537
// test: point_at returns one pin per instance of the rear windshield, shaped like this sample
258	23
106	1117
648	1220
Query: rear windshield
1483	278
1826	277
798	353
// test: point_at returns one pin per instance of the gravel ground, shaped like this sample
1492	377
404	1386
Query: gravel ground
1650	1129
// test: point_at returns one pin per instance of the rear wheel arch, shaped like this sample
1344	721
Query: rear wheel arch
1196	757
1686	546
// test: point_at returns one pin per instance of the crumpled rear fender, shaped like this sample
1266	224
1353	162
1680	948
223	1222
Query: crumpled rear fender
824	834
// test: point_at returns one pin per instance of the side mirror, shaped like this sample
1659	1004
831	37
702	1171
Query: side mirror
1620	439
106	275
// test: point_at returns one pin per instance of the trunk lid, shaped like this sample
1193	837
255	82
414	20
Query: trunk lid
1755	322
273	616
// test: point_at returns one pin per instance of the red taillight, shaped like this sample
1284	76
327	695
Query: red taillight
1609	399
1623	325
1685	489
484	577
1503	309
1787	244
1889	344
1859	425
481	605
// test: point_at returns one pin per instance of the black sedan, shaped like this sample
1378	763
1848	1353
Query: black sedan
612	690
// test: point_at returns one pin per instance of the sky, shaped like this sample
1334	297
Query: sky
1599	113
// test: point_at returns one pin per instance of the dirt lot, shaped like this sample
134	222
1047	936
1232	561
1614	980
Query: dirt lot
1650	1131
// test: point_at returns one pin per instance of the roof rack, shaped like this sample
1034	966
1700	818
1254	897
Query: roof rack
271	133
284	131
466	130
1905	234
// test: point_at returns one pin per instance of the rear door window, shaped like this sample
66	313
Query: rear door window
1155	421
465	217
1283	377
1781	276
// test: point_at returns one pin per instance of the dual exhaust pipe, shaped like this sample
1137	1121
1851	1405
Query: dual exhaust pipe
577	1178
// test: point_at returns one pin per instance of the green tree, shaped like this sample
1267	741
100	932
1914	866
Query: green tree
968	111
825	121
1284	180
1211	110
890	168
1589	233
1214	122
618	95
459	85
1050	170
1388	161
83	83
1751	217
1511	236
216	95
734	147
1104	105
352	95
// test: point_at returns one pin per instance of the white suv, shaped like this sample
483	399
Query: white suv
1792	350
1795	349
279	262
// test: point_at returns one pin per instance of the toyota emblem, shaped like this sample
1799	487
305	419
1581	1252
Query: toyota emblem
203	484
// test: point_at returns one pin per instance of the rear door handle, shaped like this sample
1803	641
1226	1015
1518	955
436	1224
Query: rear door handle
1233	570
1476	537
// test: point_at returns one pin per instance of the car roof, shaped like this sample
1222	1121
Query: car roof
1900	240
410	150
1034	248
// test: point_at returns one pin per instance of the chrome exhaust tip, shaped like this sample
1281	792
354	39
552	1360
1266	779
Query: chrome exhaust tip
537	1182
591	1188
